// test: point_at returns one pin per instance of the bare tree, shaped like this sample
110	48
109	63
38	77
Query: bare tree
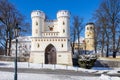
77	29
96	36
73	38
9	17
108	18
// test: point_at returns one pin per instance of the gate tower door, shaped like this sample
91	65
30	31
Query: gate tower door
50	54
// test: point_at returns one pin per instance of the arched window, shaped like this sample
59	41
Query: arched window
87	28
90	28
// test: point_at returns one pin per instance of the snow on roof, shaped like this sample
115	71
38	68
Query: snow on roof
81	39
23	38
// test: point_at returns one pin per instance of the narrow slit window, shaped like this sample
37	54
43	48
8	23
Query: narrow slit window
36	23
63	30
62	45
87	28
38	45
63	23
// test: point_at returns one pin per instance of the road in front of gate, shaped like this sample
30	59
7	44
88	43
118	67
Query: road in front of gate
49	71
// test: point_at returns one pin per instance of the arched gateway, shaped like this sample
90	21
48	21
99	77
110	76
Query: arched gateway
50	54
50	41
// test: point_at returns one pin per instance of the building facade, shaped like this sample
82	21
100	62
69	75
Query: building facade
23	47
89	37
86	44
50	42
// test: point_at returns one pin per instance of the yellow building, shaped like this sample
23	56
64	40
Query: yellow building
89	37
81	45
88	42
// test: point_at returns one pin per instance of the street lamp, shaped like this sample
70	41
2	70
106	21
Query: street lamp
16	34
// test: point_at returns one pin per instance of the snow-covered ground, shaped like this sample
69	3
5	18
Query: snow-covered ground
29	76
33	76
49	66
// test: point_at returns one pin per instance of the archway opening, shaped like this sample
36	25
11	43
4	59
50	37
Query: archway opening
50	54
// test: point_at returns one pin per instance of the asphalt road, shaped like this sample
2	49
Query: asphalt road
49	71
56	71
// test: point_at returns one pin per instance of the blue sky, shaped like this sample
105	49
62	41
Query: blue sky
82	8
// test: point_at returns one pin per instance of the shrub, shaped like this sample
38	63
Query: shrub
87	61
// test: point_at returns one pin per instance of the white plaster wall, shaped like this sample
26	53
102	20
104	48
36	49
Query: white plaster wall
43	44
37	16
38	27
63	16
39	57
64	13
38	13
60	40
23	47
64	58
62	27
51	24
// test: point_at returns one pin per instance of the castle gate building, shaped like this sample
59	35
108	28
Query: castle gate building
50	42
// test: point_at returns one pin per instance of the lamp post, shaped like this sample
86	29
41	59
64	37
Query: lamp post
16	33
